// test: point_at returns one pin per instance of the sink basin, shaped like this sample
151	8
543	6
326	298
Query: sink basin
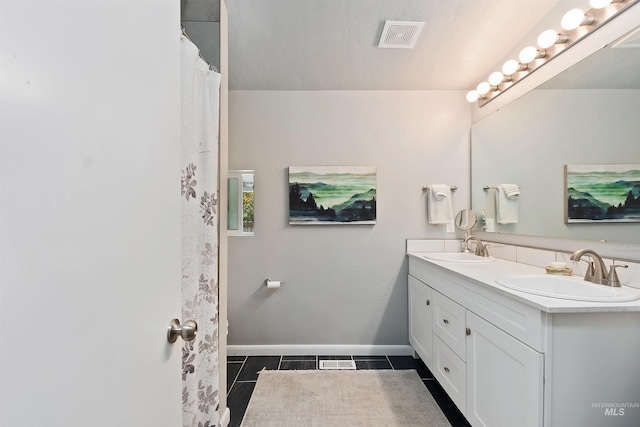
567	287
464	257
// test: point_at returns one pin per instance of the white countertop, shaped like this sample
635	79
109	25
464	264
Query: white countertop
485	274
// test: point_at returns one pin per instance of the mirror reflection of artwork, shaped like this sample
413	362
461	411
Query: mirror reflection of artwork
602	193
332	195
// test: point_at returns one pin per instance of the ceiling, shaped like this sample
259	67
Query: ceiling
332	44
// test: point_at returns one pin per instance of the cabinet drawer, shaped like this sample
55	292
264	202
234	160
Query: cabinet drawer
451	373
449	323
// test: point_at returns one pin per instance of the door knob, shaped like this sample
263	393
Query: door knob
187	330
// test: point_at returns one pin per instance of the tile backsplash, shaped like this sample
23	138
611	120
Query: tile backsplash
426	245
500	250
536	257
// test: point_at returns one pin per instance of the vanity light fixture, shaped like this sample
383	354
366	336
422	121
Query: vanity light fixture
550	43
512	66
473	96
550	37
530	53
575	18
484	88
496	78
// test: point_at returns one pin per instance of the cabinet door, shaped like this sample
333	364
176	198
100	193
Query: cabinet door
420	319
504	378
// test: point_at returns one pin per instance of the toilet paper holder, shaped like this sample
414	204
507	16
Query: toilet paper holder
266	282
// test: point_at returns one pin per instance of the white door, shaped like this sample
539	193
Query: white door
89	213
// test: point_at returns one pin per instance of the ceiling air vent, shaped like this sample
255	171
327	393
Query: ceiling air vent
400	34
631	40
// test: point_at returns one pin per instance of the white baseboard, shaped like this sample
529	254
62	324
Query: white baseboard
225	418
312	349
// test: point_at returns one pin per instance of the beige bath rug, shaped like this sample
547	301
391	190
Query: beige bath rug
342	398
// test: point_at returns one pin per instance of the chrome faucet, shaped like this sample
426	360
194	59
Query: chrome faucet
481	249
599	274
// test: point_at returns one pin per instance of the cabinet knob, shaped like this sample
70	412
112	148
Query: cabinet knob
446	369
468	331
428	302
445	321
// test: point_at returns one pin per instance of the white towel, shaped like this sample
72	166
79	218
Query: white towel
511	190
439	210
507	203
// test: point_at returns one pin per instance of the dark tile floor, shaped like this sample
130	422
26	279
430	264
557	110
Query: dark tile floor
242	374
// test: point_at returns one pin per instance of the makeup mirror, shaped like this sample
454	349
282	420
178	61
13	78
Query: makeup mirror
466	219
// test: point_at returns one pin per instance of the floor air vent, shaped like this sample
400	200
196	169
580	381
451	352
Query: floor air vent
337	364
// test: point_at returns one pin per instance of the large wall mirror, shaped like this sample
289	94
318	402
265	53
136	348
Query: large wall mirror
588	114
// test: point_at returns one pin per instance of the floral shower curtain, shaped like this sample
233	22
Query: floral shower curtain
199	189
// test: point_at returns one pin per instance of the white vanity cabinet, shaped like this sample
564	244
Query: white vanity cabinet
493	378
507	360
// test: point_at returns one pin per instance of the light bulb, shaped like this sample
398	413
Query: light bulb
473	95
483	88
496	78
510	67
528	54
572	19
599	4
547	39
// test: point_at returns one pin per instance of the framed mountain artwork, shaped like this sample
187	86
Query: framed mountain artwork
332	195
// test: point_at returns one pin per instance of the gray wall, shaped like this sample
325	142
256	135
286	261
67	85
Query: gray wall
201	20
344	284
